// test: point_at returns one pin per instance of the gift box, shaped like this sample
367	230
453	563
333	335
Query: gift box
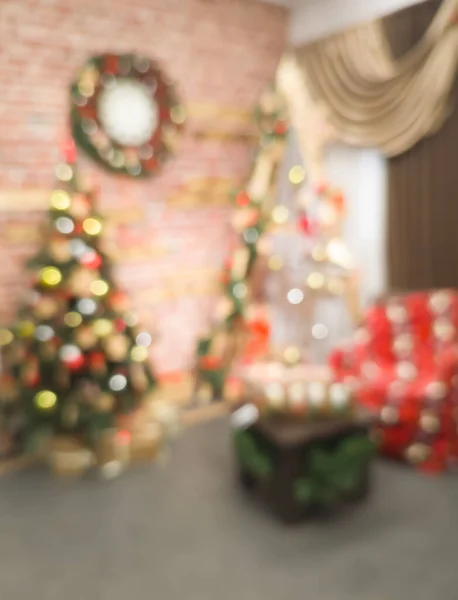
402	365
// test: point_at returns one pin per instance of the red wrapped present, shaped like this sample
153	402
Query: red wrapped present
403	364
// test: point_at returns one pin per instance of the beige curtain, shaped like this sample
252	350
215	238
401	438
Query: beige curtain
372	99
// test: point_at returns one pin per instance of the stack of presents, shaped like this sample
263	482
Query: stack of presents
304	436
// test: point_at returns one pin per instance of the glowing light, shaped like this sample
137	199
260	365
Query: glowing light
50	276
117	382
6	337
64	225
339	395
64	172
139	354
92	226
320	331
25	329
316	393
295	296
73	319
87	306
102	327
69	353
45	400
297	393
280	215
60	200
143	339
44	333
315	281
292	354
296	174
319	253
99	287
338	254
78	248
275	394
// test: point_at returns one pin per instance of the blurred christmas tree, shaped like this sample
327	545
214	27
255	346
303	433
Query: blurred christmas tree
290	287
77	363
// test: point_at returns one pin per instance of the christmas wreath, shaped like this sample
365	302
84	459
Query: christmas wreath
125	114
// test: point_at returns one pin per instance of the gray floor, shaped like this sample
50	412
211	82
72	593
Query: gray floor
186	531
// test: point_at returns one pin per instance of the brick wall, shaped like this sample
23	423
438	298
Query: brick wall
221	54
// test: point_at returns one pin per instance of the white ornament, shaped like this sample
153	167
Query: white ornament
406	371
143	339
316	393
64	225
436	390
69	352
339	395
275	394
86	306
320	331
128	112
295	296
240	290
78	248
117	382
44	333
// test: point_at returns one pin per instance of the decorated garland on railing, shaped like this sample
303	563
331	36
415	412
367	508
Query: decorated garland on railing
252	215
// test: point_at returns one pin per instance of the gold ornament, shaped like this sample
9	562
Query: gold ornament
80	281
116	347
389	415
92	226
60	200
292	355
79	206
50	276
85	337
296	175
45	308
6	337
104	403
25	329
319	253
418	453
99	287
59	250
45	400
316	281
275	263
73	319
139	354
429	422
68	457
138	377
102	327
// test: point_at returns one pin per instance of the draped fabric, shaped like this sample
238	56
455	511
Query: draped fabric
422	244
374	99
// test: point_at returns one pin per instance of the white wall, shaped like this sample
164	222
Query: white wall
362	176
312	19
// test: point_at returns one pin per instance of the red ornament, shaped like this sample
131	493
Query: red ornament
321	188
243	199
339	201
119	325
211	363
123	437
280	127
97	360
69	151
91	260
111	64
303	225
